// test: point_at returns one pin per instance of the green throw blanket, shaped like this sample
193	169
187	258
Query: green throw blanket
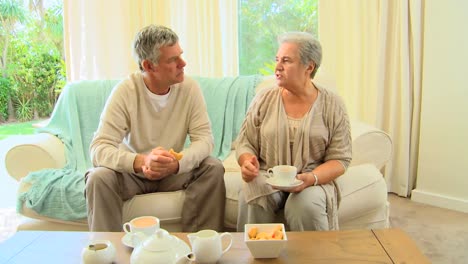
227	100
59	193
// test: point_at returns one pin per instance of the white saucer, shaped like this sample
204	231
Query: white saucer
182	247
127	240
282	187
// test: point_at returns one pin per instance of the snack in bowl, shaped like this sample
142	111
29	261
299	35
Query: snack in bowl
176	155
276	233
265	240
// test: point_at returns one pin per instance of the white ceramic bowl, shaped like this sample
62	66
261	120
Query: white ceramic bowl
265	248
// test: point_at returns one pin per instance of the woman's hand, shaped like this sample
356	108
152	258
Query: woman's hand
308	180
250	168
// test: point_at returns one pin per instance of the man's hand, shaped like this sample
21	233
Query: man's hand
159	164
250	168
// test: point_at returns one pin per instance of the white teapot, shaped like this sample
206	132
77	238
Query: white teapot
159	248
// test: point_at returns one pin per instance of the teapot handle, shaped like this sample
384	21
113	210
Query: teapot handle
226	234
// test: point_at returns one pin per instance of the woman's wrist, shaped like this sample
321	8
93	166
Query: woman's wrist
316	180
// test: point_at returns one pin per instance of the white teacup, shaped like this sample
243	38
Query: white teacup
283	174
145	224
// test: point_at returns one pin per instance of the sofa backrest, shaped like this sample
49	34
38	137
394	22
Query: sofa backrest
76	117
77	112
227	101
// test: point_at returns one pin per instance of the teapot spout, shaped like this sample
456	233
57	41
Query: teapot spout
187	259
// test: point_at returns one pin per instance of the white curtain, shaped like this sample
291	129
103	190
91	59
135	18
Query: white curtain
99	35
374	50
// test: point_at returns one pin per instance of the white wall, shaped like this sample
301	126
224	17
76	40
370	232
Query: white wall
442	178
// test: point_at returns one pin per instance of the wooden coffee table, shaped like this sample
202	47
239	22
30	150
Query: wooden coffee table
351	246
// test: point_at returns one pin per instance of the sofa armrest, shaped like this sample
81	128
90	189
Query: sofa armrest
370	145
33	152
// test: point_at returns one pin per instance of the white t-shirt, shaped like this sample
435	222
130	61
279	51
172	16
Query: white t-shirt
158	101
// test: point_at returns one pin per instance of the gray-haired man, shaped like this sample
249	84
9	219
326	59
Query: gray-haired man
147	114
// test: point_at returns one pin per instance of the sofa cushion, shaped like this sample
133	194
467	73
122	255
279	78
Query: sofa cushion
377	218
166	205
29	213
49	224
232	176
363	189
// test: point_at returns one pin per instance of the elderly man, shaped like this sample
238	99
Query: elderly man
148	114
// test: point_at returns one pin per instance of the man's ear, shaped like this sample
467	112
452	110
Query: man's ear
147	65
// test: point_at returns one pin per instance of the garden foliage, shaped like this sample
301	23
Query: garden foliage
33	68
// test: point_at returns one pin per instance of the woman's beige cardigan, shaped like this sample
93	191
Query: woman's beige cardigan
324	134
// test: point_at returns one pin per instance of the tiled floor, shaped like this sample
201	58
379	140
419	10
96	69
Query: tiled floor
8	222
8	185
8	188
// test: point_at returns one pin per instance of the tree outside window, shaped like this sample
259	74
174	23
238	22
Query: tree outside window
32	58
261	21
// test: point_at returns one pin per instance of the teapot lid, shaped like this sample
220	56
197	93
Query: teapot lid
160	241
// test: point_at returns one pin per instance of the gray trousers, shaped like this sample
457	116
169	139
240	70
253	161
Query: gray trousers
306	210
203	208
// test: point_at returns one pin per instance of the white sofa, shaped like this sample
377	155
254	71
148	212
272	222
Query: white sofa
364	192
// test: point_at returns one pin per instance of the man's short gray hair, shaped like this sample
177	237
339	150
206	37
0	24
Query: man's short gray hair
310	49
149	40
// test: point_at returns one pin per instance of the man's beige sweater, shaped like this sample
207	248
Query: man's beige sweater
130	124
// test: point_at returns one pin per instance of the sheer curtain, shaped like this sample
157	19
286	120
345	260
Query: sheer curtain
99	35
374	50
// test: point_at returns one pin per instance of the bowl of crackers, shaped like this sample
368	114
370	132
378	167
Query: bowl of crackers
265	240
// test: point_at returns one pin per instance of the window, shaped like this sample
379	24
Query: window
32	58
261	21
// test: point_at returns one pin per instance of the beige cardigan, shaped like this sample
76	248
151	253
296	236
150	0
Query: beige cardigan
324	135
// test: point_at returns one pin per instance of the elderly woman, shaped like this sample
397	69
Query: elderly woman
295	123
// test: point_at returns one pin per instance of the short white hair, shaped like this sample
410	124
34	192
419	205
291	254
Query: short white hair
310	49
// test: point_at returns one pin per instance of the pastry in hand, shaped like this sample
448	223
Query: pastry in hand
176	155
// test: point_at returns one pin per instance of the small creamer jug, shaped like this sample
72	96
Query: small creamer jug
207	245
